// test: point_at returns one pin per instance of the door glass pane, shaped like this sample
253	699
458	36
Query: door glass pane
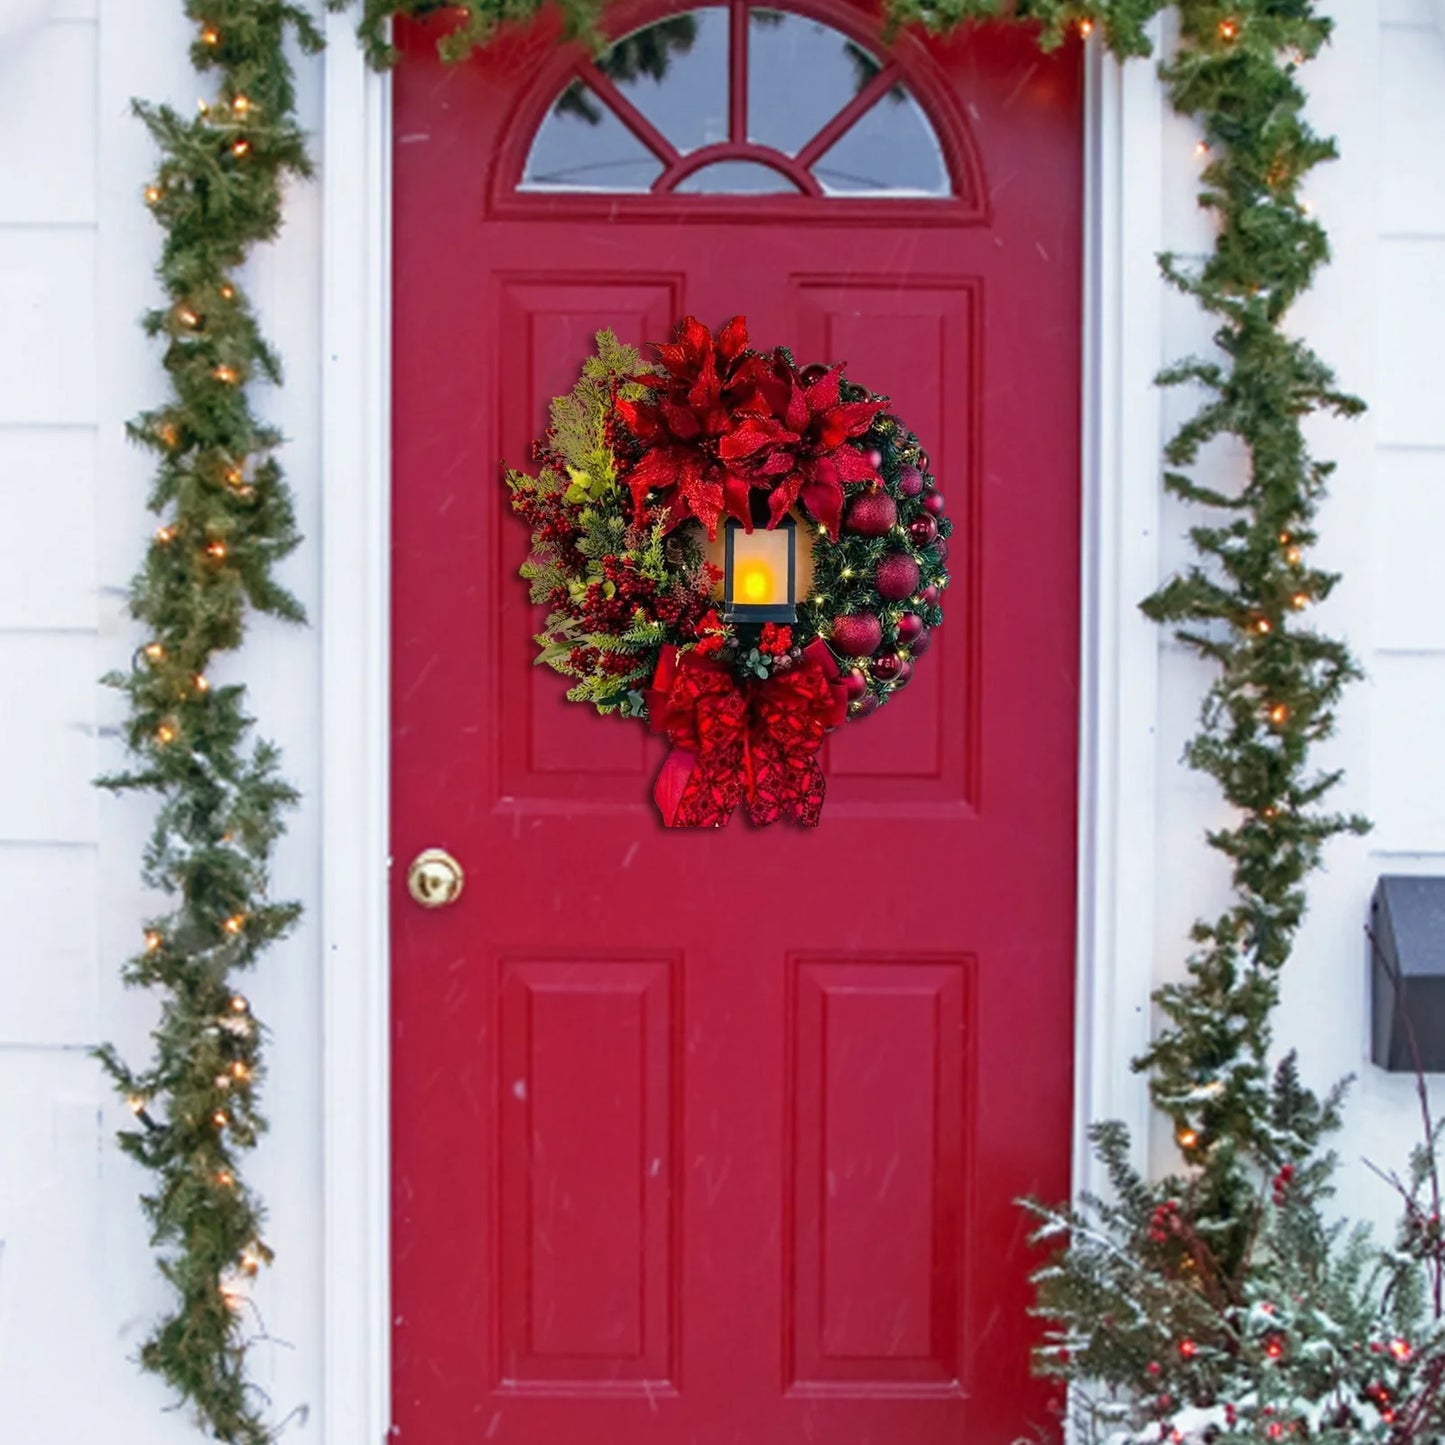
891	151
582	146
801	73
737	178
676	74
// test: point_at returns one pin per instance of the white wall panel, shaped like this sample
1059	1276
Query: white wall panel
1407	765
1412	193
47	737
47	127
49	988
1407	12
47	297
1411	341
1408	533
47	527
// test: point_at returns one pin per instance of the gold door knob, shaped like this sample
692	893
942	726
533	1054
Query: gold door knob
435	878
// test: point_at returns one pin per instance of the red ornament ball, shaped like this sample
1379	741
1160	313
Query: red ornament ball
866	704
940	548
857	634
904	673
923	530
887	666
934	502
921	643
910	626
855	684
910	481
896	577
871	514
930	593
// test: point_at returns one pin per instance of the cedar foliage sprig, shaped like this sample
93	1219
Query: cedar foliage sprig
226	521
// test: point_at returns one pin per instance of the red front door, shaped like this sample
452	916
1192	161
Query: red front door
703	1138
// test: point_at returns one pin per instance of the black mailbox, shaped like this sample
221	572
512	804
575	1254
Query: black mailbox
1407	951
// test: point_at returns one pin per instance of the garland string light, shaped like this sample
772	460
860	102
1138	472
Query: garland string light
227	520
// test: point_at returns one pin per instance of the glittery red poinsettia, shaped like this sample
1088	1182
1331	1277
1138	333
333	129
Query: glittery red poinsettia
711	389
808	456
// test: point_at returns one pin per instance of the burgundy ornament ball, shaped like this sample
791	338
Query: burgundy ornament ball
910	481
930	593
923	530
855	684
866	704
873	457
857	634
896	577
921	643
940	547
910	626
934	502
887	666
871	513
904	673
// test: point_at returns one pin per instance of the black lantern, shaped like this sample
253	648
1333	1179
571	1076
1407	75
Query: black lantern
760	573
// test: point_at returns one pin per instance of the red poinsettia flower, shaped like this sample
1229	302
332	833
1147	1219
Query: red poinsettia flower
813	458
710	389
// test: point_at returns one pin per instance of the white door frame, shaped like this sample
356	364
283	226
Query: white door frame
1121	448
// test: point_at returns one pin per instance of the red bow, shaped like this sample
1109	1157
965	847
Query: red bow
752	742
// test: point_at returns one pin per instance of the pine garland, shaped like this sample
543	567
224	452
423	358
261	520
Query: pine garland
227	519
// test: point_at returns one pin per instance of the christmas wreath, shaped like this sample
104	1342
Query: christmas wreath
743	552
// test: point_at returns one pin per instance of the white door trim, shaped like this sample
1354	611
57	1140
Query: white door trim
1121	446
1118	679
355	742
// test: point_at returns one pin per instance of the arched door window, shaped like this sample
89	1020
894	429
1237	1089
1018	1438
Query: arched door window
742	100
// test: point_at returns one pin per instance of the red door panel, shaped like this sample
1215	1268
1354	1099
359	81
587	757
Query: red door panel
717	1137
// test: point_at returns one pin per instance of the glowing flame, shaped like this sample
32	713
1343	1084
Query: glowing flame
754	582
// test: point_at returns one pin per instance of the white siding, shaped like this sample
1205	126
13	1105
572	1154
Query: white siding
76	251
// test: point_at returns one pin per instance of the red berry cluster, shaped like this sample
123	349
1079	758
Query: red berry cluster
1281	1183
775	641
710	633
553	522
1165	1221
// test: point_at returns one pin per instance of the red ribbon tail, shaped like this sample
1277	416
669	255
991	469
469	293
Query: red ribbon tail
671	784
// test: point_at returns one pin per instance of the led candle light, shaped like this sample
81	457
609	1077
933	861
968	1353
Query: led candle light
760	573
